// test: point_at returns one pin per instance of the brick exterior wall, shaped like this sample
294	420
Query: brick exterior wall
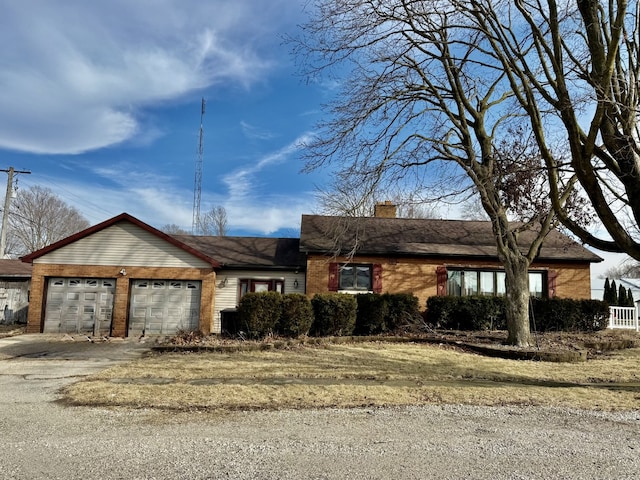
418	275
41	272
384	209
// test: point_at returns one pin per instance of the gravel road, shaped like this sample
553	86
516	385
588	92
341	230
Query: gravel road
41	439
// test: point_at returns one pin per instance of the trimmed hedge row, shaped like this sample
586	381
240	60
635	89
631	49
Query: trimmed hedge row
466	313
259	313
385	313
292	315
334	314
561	314
264	313
488	313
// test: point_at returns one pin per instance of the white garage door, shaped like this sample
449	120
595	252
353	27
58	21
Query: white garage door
164	306
79	305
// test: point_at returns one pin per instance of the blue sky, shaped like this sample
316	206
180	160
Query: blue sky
100	100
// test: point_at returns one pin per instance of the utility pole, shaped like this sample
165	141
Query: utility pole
7	205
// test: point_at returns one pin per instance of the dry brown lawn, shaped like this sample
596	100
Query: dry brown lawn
355	375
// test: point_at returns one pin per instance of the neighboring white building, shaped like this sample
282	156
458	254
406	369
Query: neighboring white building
15	279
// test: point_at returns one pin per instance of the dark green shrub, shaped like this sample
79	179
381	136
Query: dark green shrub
568	315
595	315
334	314
553	314
403	309
259	313
297	315
466	313
371	314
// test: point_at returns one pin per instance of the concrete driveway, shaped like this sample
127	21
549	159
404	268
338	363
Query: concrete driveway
42	439
33	367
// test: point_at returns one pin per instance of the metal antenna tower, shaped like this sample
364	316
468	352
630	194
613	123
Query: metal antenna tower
196	226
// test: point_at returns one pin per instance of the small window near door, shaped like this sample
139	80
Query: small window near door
259	285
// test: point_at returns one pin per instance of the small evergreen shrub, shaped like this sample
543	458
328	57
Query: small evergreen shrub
297	315
371	314
595	315
403	309
259	313
568	315
467	313
334	314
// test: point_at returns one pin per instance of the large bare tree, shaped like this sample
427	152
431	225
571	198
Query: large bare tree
214	221
39	218
425	95
580	60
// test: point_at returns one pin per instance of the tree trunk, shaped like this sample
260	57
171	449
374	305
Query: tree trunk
517	301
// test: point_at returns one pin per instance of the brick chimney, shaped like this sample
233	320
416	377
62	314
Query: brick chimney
384	209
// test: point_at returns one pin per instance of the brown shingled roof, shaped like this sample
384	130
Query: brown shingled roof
14	268
423	237
248	252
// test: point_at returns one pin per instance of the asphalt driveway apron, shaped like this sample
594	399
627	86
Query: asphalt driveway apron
34	367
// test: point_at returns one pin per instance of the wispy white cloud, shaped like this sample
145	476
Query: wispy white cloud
152	197
267	212
240	181
257	133
75	74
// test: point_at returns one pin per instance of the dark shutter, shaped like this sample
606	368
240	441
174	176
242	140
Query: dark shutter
377	278
333	277
552	276
441	278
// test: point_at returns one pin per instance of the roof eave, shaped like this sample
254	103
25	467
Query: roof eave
262	267
374	253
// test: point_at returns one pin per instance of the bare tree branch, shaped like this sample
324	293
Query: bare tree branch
39	218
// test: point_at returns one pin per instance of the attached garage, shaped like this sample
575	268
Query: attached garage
121	277
79	305
164	306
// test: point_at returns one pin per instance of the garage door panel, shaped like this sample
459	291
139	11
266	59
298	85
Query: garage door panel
167	306
158	298
76	305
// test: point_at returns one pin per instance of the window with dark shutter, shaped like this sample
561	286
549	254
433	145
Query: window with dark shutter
441	279
353	277
333	277
377	278
552	276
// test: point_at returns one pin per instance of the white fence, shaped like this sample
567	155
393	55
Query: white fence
623	317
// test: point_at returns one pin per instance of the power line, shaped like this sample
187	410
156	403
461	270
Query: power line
74	198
